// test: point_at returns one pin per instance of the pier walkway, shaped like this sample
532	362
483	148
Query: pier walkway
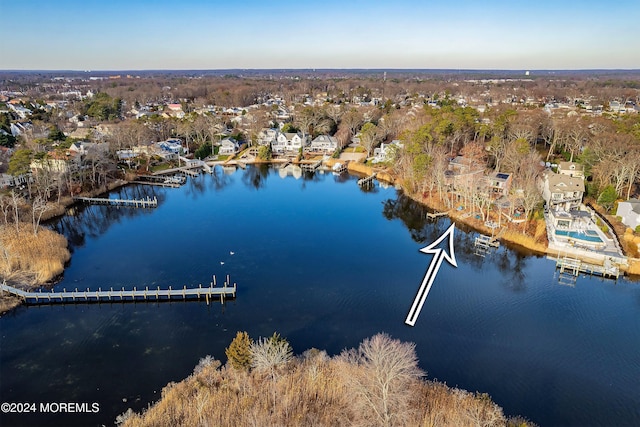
434	215
368	180
122	295
135	203
574	266
310	167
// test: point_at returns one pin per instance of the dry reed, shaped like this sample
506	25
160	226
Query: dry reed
29	258
312	390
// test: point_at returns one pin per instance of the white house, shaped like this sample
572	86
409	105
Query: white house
18	129
7	180
21	111
562	191
288	143
386	152
126	155
229	146
324	144
629	211
267	136
173	145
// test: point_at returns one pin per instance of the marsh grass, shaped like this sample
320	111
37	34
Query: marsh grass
29	258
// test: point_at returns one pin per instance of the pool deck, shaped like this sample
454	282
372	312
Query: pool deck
596	253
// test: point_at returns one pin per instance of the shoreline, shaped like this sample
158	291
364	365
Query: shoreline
10	302
513	236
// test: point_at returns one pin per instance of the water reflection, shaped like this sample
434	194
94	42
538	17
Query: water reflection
255	177
85	220
341	178
219	180
512	266
424	230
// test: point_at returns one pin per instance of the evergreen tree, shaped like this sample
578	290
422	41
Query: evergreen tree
239	351
608	197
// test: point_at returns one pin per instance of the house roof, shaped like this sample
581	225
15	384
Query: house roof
325	138
570	166
635	205
228	140
562	183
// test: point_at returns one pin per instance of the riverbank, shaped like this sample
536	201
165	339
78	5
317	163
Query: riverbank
30	260
530	236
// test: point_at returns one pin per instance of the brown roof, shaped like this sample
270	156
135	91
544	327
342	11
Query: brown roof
562	183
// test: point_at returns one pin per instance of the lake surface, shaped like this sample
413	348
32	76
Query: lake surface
325	264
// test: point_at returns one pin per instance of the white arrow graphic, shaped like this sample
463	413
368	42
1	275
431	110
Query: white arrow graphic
432	271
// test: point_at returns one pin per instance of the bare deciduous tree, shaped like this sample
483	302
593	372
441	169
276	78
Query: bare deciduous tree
388	366
269	353
369	137
38	207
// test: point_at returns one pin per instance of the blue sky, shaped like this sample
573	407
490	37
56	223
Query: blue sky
201	34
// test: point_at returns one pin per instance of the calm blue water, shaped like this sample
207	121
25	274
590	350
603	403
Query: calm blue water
326	265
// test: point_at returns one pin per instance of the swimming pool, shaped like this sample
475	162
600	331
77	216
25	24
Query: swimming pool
587	236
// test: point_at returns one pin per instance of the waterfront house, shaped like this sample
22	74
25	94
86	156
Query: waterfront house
267	136
629	211
386	152
6	180
55	162
229	146
324	144
289	143
173	145
126	155
562	191
499	184
463	173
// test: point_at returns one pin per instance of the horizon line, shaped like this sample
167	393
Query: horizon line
313	69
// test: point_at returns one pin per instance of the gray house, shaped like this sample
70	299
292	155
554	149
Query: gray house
324	144
629	211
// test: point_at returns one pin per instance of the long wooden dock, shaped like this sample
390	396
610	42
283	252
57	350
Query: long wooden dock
157	183
135	203
174	181
121	295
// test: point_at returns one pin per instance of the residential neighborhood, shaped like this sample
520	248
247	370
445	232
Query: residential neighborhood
494	151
